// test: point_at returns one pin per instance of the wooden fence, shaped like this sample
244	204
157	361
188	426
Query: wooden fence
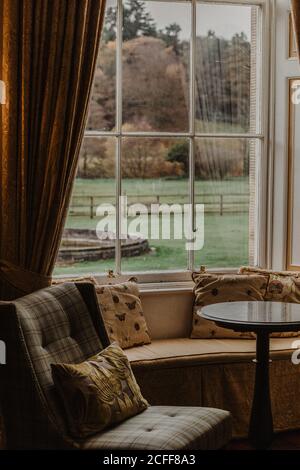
85	205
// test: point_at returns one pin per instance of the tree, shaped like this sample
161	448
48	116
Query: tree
218	159
103	102
170	35
109	29
223	82
137	22
155	75
97	159
146	157
180	153
155	86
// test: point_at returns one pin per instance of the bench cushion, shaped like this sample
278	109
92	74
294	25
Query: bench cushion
168	428
183	351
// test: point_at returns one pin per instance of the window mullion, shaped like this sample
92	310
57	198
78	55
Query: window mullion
192	130
118	131
191	198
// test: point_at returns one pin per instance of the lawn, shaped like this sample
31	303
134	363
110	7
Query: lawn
136	189
93	192
225	236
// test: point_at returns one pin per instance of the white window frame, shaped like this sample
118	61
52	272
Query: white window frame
263	165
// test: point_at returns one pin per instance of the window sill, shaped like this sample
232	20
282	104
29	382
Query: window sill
171	282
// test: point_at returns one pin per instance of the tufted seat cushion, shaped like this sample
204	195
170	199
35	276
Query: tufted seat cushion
168	428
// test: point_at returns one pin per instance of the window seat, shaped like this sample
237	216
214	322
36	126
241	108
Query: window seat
217	373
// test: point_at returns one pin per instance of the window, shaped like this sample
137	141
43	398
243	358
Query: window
176	119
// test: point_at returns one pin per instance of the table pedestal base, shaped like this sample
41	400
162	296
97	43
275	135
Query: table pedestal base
261	422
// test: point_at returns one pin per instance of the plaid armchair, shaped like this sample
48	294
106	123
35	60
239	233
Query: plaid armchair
63	324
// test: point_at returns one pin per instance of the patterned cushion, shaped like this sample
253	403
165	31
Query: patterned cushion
215	288
283	286
254	270
99	392
123	315
168	428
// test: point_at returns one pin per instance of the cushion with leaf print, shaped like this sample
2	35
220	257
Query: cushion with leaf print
283	286
99	392
256	270
123	315
216	288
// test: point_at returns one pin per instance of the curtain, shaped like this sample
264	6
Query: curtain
48	52
296	21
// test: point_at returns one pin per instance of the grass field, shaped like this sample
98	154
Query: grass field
171	190
225	237
225	245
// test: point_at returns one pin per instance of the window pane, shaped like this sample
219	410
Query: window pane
226	68
81	250
102	108
156	47
155	176
225	184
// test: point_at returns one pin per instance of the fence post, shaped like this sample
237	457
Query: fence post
92	207
221	204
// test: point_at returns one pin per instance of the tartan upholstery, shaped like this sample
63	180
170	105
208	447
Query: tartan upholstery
57	324
168	428
63	323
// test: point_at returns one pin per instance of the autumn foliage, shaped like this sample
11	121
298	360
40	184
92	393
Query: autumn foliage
155	88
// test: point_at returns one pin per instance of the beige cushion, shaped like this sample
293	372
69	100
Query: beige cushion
99	392
123	315
215	288
168	428
254	270
283	286
185	351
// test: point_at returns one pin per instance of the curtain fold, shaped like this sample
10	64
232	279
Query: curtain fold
295	4
48	52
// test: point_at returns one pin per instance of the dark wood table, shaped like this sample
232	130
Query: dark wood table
262	318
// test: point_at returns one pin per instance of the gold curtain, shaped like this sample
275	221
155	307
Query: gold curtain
48	51
296	21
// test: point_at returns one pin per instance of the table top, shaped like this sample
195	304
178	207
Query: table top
273	316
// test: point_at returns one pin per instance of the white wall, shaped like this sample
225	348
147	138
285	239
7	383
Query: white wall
285	69
168	314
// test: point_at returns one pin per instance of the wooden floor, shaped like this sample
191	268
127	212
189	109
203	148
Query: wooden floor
282	441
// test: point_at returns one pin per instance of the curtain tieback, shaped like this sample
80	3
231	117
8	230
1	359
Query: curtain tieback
22	279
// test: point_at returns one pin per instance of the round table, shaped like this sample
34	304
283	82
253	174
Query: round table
262	318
